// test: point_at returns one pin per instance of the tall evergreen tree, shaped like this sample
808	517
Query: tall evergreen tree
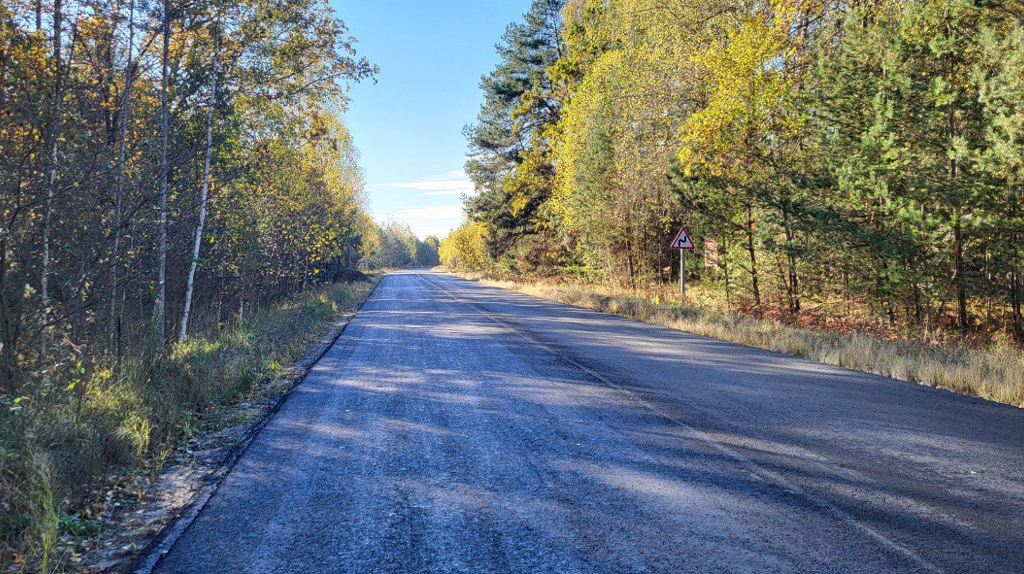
509	150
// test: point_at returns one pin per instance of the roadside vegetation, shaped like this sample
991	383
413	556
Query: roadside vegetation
995	372
181	211
81	430
852	175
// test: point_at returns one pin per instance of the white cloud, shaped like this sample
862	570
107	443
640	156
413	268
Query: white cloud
452	183
417	202
432	220
429	213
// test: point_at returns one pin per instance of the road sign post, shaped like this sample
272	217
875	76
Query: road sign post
682	275
683	243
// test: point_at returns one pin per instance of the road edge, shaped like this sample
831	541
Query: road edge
164	542
888	376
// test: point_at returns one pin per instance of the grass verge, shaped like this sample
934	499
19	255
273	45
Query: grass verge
995	373
86	428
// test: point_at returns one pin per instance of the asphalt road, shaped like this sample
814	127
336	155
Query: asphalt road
460	428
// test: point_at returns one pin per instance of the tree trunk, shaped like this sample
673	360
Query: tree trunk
724	262
159	319
755	289
204	193
122	157
960	276
51	177
1016	297
793	284
630	269
1016	279
918	311
10	324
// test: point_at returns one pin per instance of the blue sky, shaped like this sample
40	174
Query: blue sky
408	127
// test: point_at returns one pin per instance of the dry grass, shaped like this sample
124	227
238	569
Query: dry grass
995	373
76	429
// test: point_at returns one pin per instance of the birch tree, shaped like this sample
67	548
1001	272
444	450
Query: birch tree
204	193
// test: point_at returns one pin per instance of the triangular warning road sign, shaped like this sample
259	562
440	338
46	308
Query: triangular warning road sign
682	240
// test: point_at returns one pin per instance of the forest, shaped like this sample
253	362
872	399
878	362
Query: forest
165	165
847	159
182	210
393	245
179	192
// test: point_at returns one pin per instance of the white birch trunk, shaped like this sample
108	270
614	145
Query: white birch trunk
204	193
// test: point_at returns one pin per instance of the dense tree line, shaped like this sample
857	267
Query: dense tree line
869	153
393	245
161	161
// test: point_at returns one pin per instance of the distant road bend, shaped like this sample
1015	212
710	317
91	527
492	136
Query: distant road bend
461	428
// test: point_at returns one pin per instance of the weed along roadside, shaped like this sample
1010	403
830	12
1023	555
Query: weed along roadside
994	373
97	466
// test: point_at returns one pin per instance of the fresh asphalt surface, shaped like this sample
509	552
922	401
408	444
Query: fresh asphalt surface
462	428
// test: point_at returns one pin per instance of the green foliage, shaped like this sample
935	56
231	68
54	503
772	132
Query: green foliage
465	248
395	246
510	162
81	253
87	240
857	156
69	435
427	252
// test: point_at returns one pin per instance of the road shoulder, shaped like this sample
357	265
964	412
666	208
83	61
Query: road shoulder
146	527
